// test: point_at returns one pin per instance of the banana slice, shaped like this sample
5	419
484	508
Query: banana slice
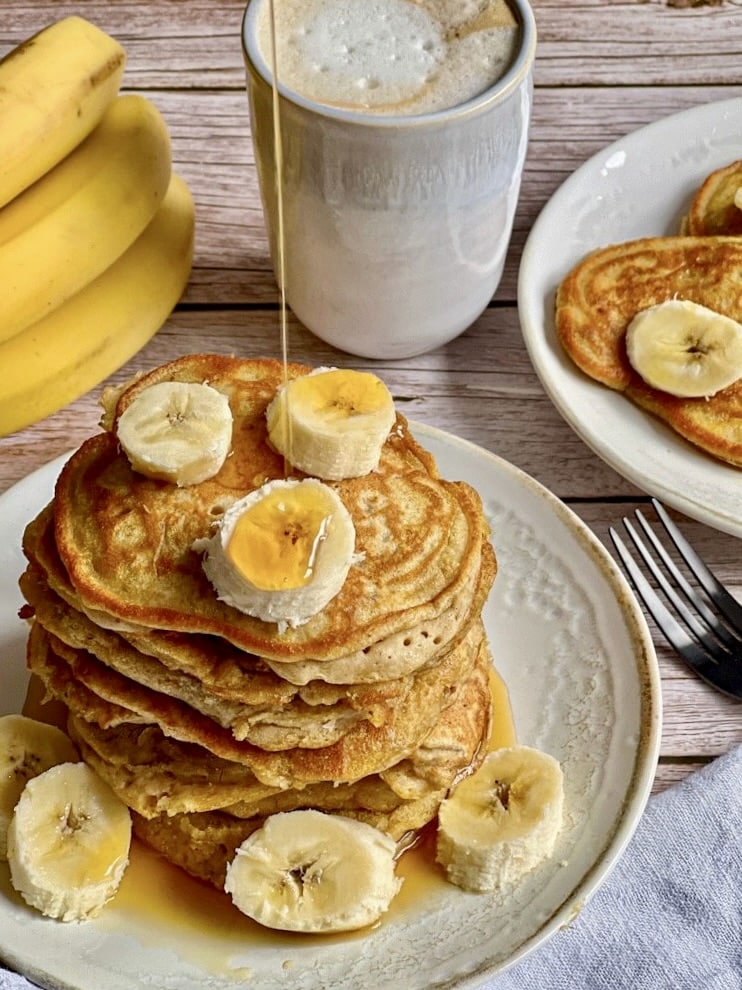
332	423
68	842
282	552
685	349
738	198
308	871
503	820
27	748
177	431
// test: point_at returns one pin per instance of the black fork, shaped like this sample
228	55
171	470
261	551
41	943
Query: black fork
703	624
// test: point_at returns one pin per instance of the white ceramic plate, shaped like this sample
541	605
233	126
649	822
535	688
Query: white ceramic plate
575	652
639	186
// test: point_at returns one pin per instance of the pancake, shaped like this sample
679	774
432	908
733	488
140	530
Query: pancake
713	210
234	674
271	713
203	842
157	775
126	541
107	522
600	296
101	695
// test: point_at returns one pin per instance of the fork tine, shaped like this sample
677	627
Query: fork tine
699	632
726	678
716	591
713	622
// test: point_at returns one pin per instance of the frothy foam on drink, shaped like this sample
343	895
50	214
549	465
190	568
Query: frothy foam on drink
391	56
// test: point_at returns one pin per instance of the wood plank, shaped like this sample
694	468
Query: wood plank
480	387
637	43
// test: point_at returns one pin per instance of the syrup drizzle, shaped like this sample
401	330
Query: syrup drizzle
280	229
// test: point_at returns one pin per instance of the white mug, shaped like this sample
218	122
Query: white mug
395	225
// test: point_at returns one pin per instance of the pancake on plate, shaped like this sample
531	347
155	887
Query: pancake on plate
717	206
598	299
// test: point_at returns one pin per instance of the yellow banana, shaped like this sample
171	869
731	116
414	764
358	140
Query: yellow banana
54	89
73	223
88	337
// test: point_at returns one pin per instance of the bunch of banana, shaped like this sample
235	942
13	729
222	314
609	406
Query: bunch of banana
96	231
79	343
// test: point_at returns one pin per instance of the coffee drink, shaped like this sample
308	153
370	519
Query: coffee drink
389	56
390	174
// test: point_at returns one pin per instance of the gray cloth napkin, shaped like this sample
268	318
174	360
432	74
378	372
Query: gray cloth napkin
668	917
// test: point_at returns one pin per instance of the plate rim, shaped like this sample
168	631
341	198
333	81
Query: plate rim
645	755
535	330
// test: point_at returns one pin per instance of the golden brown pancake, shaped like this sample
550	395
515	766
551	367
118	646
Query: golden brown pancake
713	210
156	774
102	695
600	296
234	674
203	842
126	541
270	712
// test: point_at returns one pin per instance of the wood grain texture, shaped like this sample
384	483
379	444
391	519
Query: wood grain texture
603	69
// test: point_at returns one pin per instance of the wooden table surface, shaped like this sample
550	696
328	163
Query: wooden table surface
603	69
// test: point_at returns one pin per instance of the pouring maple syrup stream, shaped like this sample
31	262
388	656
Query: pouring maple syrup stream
280	226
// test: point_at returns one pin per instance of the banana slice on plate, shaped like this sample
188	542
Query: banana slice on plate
502	821
282	552
27	748
332	423
177	431
685	349
68	842
308	871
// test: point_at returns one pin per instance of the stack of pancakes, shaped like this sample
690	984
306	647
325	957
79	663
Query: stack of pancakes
206	720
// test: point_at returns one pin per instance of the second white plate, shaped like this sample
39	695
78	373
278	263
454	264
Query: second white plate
637	187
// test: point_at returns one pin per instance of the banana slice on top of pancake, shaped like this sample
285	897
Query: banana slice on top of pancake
282	552
332	423
179	432
685	349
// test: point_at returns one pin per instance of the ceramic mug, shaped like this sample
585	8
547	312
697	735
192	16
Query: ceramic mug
395	225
